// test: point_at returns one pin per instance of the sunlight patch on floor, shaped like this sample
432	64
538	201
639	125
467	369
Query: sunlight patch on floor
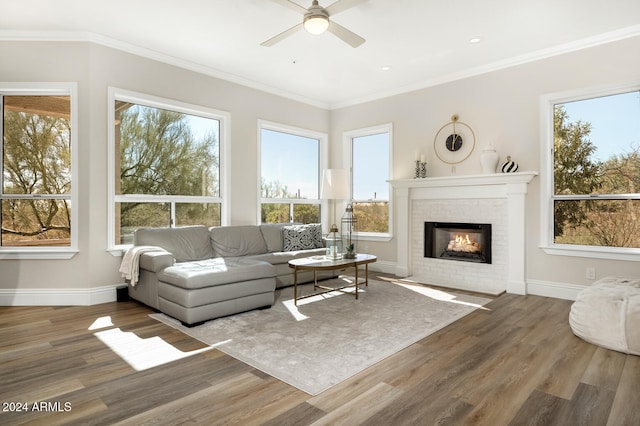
142	354
102	322
438	294
299	316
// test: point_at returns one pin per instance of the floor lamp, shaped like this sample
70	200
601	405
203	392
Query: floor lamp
335	186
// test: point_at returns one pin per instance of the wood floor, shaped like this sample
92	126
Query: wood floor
515	362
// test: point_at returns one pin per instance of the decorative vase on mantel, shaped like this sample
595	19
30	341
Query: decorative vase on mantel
509	166
489	160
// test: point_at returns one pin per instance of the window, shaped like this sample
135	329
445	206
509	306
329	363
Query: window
369	154
592	187
290	161
38	170
166	164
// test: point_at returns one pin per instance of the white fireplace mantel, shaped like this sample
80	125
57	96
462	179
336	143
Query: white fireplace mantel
509	186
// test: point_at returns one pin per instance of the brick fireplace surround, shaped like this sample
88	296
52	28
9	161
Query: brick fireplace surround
498	199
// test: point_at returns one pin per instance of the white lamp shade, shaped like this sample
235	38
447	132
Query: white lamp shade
335	184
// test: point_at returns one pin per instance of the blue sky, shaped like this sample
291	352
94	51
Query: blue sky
371	167
202	126
615	122
293	160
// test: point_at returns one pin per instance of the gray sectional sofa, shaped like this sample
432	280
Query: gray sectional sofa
196	273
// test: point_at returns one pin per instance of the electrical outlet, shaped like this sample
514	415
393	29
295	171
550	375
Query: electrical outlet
591	273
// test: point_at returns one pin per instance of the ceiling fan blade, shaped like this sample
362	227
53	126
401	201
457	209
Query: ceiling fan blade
345	35
342	5
281	36
291	5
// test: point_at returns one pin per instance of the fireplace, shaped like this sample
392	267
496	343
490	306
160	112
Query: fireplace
498	199
465	242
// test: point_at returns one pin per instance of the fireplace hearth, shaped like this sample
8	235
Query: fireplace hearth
465	242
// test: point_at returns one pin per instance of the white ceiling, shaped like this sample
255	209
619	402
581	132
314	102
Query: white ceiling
425	42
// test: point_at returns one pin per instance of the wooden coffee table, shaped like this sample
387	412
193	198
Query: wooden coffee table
322	263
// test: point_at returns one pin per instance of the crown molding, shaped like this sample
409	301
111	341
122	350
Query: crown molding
585	43
89	37
77	36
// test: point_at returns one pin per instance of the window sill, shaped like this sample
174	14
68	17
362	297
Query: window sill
26	254
119	251
374	237
610	253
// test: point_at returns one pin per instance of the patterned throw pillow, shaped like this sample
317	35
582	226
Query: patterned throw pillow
302	237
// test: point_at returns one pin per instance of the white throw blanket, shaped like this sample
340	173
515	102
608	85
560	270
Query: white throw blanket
130	266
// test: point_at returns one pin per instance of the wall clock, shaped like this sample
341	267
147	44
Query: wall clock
454	142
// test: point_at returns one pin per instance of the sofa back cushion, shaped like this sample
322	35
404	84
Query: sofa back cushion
233	241
185	243
272	233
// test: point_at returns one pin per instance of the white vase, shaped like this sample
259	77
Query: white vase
489	160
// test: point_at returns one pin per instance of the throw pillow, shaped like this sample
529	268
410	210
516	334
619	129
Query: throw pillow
299	237
317	234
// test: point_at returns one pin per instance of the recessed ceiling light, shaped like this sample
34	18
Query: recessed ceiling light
385	67
475	40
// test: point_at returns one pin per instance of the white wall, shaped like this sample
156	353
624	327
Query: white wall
91	274
503	109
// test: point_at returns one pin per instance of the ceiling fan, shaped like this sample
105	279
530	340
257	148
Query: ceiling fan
316	21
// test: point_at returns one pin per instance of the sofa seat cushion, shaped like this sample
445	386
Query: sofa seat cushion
281	257
214	272
607	314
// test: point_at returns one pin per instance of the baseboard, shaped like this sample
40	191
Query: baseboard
98	295
535	287
95	296
554	289
58	296
383	266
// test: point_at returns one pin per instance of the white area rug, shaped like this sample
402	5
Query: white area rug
329	338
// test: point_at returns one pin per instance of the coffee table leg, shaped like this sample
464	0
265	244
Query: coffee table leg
295	286
356	266
366	274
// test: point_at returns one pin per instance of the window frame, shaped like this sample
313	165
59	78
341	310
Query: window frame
323	139
347	138
49	89
547	193
117	94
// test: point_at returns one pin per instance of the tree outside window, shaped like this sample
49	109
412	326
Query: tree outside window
167	168
596	158
37	176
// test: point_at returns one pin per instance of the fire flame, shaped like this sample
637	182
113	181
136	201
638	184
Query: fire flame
463	243
463	240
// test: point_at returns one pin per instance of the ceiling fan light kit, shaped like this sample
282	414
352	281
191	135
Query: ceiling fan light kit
316	21
316	24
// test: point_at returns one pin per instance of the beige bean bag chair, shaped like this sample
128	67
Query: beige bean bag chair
607	314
